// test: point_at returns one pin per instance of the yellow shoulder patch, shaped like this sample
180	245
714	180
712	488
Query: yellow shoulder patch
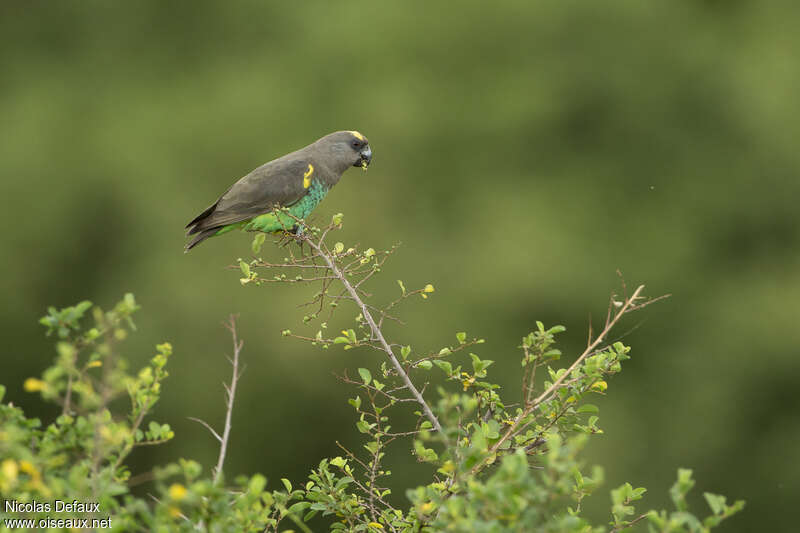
307	176
357	135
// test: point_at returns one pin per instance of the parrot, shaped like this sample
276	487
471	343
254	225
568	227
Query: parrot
298	181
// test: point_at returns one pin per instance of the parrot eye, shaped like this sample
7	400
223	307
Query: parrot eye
356	144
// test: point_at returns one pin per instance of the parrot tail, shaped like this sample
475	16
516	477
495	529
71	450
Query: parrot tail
200	237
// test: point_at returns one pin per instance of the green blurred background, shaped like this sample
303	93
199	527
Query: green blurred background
524	151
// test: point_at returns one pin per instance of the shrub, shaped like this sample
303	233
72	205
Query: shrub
501	463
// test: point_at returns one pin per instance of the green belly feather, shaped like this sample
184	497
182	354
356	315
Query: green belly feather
276	222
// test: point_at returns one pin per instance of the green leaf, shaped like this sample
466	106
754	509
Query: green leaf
445	366
405	351
299	507
355	402
462	337
287	484
578	478
587	408
425	365
715	502
342	482
621	494
425	454
245	268
129	300
682	486
366	375
402	287
491	429
480	365
258	241
257	484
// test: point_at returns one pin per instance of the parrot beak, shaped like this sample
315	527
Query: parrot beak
366	158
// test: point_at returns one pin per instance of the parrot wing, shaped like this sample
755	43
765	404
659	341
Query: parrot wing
277	183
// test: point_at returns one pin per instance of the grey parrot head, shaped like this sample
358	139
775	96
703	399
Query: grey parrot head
346	149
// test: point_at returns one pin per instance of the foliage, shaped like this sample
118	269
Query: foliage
499	461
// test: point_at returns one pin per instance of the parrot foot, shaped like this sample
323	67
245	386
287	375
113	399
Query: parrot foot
295	234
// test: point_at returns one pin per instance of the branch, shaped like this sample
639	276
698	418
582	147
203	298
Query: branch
591	347
230	393
628	305
377	333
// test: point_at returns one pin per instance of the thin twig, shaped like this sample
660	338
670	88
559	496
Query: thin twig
631	523
216	435
230	395
68	396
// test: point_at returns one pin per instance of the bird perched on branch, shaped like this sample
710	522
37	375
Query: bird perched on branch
297	181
